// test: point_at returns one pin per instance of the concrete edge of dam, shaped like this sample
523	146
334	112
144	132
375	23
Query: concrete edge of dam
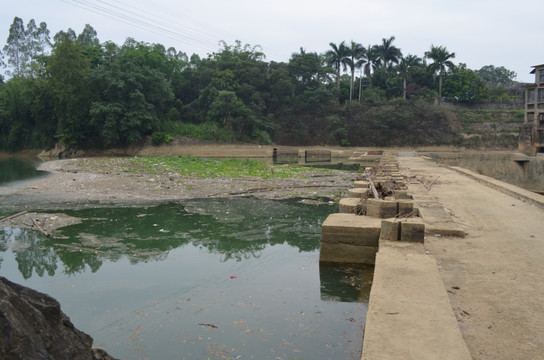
409	313
509	189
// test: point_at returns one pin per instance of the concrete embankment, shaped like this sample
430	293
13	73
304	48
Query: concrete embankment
473	289
493	272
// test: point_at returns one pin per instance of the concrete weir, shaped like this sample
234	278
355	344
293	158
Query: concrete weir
409	314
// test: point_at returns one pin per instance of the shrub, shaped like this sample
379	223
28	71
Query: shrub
159	138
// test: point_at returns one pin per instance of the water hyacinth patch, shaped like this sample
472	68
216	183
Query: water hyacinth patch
210	168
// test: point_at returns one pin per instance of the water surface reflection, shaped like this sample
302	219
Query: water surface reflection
15	169
149	282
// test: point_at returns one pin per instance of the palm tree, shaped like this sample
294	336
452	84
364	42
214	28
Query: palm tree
389	53
441	58
373	59
355	60
405	68
337	58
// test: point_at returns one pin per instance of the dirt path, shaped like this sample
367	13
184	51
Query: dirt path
493	275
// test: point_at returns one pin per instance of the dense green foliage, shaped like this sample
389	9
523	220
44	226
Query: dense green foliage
85	94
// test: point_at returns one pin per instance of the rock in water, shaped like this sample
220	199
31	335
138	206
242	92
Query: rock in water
32	326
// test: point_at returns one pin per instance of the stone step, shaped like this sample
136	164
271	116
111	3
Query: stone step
348	205
357	192
361	184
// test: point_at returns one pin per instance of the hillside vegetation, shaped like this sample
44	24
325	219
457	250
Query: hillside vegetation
488	129
75	91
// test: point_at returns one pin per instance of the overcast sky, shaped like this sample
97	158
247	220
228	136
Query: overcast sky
480	32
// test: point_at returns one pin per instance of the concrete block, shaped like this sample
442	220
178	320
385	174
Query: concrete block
361	184
357	192
381	209
390	230
284	156
381	179
348	238
406	207
401	194
349	205
347	254
317	155
351	229
412	230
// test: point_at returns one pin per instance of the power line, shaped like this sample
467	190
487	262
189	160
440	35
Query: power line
176	14
196	35
198	39
130	20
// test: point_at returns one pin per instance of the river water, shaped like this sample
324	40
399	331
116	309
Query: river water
17	169
200	279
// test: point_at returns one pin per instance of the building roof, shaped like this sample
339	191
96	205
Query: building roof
535	67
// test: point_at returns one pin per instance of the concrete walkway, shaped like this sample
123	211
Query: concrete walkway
410	315
494	275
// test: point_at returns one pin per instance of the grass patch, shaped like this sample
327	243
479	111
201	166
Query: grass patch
211	168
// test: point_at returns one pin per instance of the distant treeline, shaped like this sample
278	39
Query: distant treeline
82	93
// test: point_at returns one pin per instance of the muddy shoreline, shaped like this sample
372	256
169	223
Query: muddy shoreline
91	182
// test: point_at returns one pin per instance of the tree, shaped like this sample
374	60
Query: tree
173	54
373	59
31	45
15	47
15	114
496	76
405	68
336	57
131	94
37	42
306	69
69	35
68	68
464	86
389	53
389	81
228	110
43	39
441	61
355	60
88	37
